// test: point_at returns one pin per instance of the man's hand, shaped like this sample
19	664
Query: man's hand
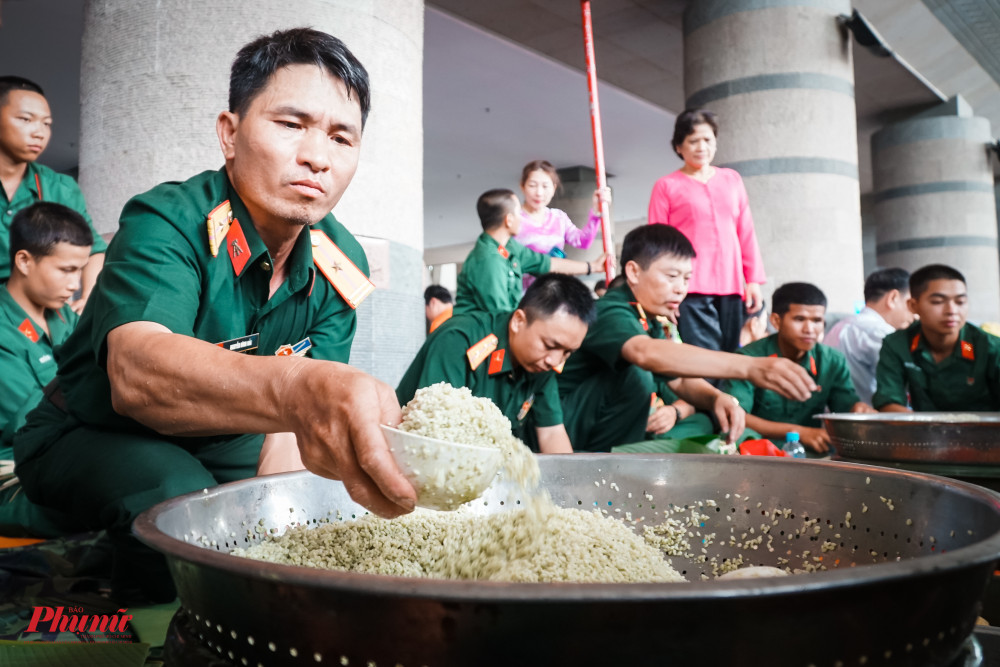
753	298
816	439
662	420
336	417
783	376
732	418
862	407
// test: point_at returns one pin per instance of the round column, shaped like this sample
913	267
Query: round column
154	77
934	202
779	74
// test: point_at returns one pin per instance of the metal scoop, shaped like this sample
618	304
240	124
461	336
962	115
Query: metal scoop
444	474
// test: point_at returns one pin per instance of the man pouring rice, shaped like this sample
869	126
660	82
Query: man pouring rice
171	375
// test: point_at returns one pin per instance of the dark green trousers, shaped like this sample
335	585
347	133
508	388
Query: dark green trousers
608	409
104	479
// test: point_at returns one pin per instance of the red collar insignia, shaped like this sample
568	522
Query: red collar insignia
967	351
28	329
496	362
237	247
503	252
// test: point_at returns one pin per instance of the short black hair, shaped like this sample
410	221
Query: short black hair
553	292
39	227
493	206
803	294
685	124
883	281
11	82
257	62
646	244
438	292
925	274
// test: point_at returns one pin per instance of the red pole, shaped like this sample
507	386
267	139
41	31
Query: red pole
595	126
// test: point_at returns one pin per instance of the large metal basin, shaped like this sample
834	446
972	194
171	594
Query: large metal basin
967	438
904	588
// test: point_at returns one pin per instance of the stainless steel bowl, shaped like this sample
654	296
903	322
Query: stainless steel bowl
904	586
969	438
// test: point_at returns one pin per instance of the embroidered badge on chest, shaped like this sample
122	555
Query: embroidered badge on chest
241	344
525	408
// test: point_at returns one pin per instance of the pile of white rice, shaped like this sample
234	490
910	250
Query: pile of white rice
537	542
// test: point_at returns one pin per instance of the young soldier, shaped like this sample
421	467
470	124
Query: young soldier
152	398
860	337
606	387
49	246
25	130
511	358
939	362
438	306
798	312
492	274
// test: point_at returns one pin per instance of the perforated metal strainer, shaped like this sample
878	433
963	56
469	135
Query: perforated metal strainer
903	562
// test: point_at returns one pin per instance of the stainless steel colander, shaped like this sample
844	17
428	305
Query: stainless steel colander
907	558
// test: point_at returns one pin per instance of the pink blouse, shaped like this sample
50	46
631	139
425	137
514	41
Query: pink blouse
555	231
715	216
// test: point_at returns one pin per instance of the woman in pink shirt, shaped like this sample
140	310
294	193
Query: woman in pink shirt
709	205
548	230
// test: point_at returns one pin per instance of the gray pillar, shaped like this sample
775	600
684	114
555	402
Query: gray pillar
779	75
154	76
575	198
935	202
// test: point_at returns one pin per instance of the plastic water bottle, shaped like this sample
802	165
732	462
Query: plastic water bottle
792	446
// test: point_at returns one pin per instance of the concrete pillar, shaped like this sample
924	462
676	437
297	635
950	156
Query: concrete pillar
154	76
575	198
935	202
779	74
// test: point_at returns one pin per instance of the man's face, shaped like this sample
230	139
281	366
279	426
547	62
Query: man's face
662	286
294	151
25	126
546	342
801	327
51	281
942	307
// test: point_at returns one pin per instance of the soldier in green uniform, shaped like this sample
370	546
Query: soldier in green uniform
940	362
607	384
25	130
191	346
511	358
491	278
798	314
49	246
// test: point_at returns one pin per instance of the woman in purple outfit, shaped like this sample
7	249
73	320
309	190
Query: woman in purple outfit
548	230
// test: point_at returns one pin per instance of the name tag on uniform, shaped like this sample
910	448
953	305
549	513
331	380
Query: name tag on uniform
525	408
241	344
297	350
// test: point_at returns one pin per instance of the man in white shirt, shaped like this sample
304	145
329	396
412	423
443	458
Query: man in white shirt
860	337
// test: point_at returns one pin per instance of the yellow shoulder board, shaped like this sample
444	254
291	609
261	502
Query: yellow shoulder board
478	353
218	226
346	278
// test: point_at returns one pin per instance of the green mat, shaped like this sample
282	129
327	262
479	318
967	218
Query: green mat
48	654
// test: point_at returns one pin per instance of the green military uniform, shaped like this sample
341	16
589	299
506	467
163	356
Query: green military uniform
76	453
606	399
492	275
828	368
27	363
967	380
41	184
449	355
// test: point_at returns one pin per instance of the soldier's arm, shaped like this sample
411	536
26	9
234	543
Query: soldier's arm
179	385
890	379
680	359
553	440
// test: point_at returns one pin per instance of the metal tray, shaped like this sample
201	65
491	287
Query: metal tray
904	587
971	438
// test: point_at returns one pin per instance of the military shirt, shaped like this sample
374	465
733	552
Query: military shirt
159	268
518	393
968	380
829	371
491	276
26	361
55	187
619	318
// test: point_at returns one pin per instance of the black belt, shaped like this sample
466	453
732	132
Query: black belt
54	393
